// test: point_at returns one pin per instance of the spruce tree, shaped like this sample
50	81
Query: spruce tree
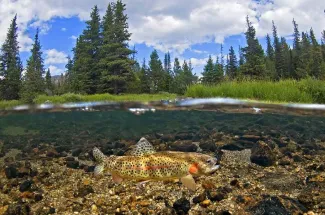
278	58
69	75
212	73
323	45
287	59
269	48
254	66
157	74
269	63
296	61
241	56
87	56
34	83
144	78
115	62
303	64
177	67
48	81
316	57
233	64
10	65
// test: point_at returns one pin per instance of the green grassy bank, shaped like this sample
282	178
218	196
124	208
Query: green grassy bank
70	97
286	91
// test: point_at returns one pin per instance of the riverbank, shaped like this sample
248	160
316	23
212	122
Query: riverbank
71	97
285	91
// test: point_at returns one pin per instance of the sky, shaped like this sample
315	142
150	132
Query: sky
188	29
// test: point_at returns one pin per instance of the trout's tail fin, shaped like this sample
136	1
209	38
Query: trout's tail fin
99	158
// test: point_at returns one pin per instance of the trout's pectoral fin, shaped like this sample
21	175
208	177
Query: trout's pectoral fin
116	178
189	182
99	169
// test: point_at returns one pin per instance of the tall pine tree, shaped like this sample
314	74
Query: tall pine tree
87	56
279	64
116	61
233	64
323	45
34	83
144	78
48	81
10	65
157	73
254	66
316	57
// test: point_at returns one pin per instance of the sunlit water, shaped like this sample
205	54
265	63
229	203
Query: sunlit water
193	125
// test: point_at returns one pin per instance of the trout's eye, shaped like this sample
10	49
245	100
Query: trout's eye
209	161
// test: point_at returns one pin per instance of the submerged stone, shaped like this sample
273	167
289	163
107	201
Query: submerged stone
263	155
26	185
278	205
182	206
11	172
18	209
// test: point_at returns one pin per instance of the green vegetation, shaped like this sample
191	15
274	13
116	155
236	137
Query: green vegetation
70	97
103	64
7	104
304	91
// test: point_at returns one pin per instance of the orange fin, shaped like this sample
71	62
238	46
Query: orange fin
116	178
194	168
189	182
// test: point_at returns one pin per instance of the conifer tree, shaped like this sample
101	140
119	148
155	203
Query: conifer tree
241	57
269	48
323	45
212	73
48	81
316	57
296	61
287	59
34	83
233	64
144	78
10	64
115	53
279	64
177	67
87	56
269	63
70	78
157	74
254	66
208	73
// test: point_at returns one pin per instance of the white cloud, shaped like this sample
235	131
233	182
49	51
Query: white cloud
174	25
43	27
63	29
53	56
73	37
55	70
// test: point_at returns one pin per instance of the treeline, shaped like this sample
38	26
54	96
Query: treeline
306	59
13	84
103	62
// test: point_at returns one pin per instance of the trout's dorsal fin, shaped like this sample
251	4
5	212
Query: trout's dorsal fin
143	147
99	157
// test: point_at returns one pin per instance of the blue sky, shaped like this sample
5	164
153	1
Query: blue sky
189	29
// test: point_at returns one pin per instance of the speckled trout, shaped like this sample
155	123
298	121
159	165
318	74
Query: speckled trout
145	164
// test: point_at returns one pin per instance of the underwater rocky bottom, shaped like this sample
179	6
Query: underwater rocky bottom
263	170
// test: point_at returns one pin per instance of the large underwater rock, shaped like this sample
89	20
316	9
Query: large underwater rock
263	155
